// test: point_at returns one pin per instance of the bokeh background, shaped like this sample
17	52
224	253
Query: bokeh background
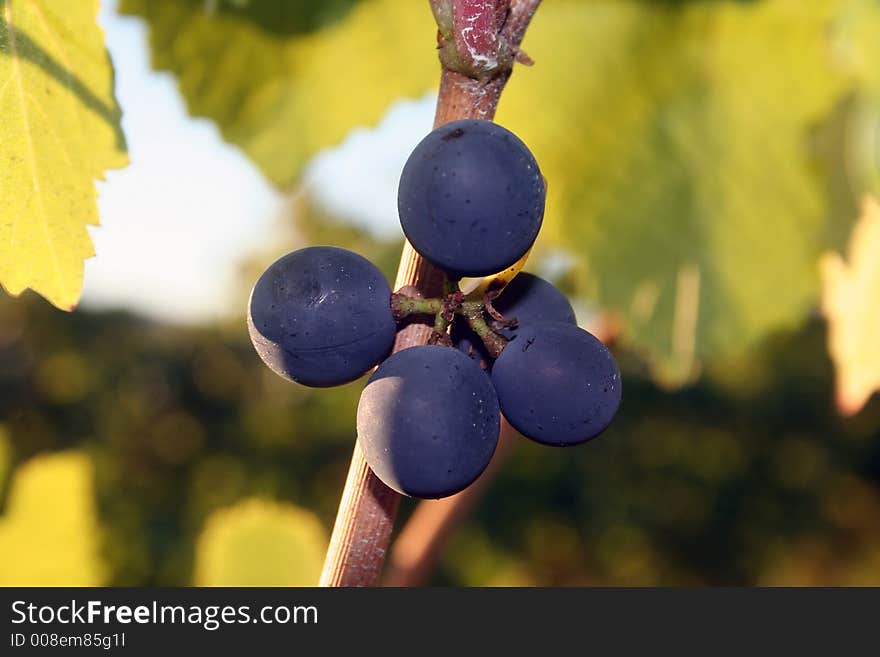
706	161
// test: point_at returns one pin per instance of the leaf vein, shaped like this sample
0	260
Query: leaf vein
25	117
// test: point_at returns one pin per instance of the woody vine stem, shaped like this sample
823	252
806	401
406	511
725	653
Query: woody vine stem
478	42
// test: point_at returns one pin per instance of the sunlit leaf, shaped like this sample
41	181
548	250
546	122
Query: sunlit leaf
60	131
282	93
851	303
260	543
49	535
677	146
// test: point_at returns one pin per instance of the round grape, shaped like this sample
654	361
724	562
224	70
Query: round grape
321	316
530	299
471	198
557	384
428	421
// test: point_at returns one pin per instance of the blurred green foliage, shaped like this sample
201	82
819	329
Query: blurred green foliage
260	543
280	17
49	534
282	93
754	480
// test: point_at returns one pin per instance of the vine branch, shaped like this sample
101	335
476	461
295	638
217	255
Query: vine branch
420	543
476	66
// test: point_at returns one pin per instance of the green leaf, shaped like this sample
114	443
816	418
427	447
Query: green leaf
49	535
260	543
281	94
677	145
60	132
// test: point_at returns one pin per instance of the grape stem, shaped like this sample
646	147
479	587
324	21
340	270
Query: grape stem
362	531
446	308
403	306
494	342
488	297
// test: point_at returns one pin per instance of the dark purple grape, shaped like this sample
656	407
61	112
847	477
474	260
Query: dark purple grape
428	421
321	316
471	198
557	384
530	299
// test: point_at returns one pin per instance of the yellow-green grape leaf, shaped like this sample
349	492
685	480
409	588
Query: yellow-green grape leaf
60	131
259	542
851	304
676	139
49	535
282	94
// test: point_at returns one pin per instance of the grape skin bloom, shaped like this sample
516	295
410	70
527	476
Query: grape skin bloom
321	316
471	198
557	384
530	299
428	421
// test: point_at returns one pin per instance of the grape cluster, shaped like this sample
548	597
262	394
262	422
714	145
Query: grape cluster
471	202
